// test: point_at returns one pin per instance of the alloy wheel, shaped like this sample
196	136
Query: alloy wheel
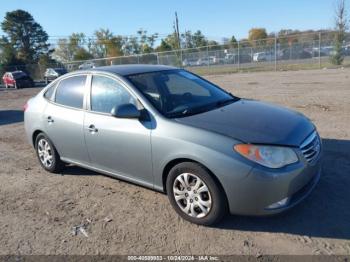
192	195
45	153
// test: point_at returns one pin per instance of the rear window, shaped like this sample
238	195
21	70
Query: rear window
18	74
70	91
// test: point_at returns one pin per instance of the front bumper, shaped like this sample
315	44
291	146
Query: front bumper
259	192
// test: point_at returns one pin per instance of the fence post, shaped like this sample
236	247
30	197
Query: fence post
275	52
208	62
319	50
238	55
158	58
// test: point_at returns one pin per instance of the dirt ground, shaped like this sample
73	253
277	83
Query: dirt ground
38	210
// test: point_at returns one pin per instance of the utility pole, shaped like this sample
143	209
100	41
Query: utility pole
177	32
275	51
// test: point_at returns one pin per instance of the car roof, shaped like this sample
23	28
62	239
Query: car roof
125	70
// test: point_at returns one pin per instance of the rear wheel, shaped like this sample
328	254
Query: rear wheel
195	195
47	154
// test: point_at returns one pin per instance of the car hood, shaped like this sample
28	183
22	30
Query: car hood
254	122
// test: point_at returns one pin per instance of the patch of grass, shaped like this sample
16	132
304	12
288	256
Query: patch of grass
230	69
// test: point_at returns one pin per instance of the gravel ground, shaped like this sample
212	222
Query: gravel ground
38	210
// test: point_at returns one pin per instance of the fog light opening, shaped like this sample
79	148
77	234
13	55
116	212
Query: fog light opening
282	203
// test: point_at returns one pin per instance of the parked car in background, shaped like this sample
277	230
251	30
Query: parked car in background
17	79
286	54
235	58
170	130
263	56
53	73
189	62
87	65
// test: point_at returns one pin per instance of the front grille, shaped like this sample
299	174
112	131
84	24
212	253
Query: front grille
311	147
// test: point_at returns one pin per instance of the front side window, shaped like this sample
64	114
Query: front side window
107	93
178	93
70	91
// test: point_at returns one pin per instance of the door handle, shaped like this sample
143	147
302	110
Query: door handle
49	119
92	129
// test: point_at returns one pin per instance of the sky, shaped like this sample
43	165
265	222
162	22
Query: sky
215	18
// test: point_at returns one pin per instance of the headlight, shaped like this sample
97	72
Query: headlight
269	156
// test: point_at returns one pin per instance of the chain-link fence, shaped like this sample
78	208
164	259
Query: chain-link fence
291	52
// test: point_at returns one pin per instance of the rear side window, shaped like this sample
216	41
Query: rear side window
49	92
70	91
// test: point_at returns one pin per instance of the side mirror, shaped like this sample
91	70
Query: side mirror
125	111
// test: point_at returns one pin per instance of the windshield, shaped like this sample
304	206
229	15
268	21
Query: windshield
178	93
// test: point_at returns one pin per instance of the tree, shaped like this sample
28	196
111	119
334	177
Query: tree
164	46
187	39
73	48
82	54
169	43
233	42
288	36
27	37
8	57
341	25
199	40
146	42
106	44
257	36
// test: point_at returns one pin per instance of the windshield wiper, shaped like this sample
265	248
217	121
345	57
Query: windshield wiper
190	111
226	101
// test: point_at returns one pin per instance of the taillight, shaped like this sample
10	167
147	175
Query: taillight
25	107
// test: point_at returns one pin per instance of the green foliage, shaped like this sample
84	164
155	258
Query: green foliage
199	39
233	42
26	36
106	44
257	36
73	48
341	23
82	54
164	46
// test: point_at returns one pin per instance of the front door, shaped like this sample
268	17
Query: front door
117	145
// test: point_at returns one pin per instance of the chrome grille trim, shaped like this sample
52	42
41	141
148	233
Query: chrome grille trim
311	147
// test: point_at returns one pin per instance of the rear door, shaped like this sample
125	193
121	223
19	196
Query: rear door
64	118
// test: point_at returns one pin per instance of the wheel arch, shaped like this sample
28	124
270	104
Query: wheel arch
176	161
35	135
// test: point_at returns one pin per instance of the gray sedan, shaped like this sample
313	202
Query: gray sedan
173	131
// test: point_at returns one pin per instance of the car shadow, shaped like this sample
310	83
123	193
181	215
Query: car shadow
325	213
11	116
72	170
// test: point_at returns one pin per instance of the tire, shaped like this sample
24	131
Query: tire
53	162
212	201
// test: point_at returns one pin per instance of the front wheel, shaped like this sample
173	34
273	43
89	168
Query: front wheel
195	195
47	154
